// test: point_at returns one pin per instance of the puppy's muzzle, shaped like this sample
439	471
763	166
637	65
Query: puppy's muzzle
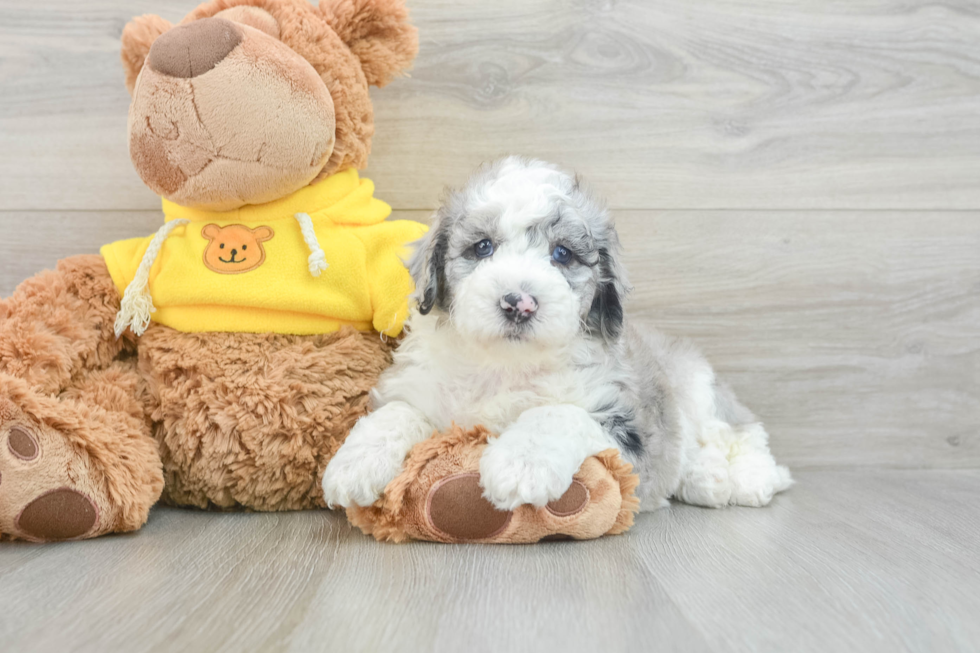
518	307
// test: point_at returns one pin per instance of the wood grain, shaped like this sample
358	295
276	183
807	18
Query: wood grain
854	335
672	104
846	561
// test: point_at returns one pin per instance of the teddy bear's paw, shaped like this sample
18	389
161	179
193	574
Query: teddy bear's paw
458	511
441	495
45	494
706	481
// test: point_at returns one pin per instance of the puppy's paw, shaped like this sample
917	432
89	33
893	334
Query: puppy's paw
358	475
707	482
755	476
756	479
513	476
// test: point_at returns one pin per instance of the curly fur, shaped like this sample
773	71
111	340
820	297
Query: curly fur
250	420
60	323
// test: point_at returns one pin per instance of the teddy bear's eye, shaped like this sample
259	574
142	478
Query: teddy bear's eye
244	247
221	246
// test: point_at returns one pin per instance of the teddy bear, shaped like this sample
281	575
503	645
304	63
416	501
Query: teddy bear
220	363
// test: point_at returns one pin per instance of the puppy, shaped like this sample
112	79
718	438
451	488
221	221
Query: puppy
520	327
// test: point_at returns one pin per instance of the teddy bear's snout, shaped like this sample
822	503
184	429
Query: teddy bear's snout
195	48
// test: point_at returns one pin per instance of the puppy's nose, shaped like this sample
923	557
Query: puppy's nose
195	48
518	307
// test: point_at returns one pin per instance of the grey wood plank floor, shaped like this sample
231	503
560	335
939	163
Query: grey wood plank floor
858	560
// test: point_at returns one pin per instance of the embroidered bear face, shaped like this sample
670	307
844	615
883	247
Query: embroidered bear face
236	248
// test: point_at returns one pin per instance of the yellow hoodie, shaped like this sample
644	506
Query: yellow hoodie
308	263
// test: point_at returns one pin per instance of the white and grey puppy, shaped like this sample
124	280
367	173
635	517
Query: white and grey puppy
520	327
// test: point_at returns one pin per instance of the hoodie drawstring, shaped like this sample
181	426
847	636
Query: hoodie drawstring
317	260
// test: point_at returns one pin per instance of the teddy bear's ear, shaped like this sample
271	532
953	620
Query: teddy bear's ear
378	32
211	231
137	37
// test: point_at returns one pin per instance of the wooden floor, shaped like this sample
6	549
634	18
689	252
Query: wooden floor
848	561
796	183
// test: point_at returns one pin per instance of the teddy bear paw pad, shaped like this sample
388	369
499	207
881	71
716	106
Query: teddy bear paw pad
23	444
574	501
35	500
456	508
61	514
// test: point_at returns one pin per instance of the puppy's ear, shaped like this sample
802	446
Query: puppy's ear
428	266
137	37
378	32
606	315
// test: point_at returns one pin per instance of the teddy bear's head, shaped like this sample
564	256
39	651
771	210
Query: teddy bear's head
246	101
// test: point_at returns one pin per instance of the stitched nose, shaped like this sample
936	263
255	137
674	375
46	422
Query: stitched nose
195	48
234	253
518	307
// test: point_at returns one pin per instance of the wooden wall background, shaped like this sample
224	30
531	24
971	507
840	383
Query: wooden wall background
797	182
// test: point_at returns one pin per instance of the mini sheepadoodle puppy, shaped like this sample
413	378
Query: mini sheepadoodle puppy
520	328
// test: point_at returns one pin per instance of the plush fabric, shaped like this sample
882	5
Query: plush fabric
137	38
72	389
437	498
257	126
193	158
196	286
250	421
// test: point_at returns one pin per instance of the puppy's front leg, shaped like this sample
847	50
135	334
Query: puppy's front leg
373	454
533	461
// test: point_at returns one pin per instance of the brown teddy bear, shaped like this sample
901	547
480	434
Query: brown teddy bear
221	362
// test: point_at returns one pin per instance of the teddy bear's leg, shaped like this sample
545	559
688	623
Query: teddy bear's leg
76	456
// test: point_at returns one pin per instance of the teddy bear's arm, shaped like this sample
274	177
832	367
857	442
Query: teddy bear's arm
387	246
59	323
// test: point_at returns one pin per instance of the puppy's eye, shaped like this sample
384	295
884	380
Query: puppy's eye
561	255
484	248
